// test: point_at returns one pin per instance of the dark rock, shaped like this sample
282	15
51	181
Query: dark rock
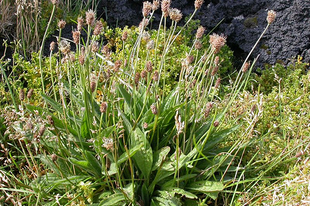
243	23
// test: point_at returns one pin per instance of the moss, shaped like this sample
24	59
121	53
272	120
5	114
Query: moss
250	22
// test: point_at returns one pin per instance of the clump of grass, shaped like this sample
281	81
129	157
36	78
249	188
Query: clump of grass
107	132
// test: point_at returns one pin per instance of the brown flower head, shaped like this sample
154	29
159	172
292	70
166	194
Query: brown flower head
64	46
143	24
208	109
55	2
217	42
217	83
154	108
216	123
156	76
200	32
149	66
165	7
30	93
271	16
189	59
144	74
246	67
198	4
76	36
155	5
147	8
124	36
175	15
198	45
41	130
103	107
61	24
52	46
98	28
216	60
90	17
117	65
95	46
214	70
106	50
21	94
80	21
137	78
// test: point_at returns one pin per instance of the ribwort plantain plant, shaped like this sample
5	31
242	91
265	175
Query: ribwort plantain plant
112	136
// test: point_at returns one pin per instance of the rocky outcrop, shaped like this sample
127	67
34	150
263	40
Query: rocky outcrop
243	23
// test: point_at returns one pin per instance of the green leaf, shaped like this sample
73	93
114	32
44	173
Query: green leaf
113	200
182	192
144	157
209	188
93	163
84	127
53	103
160	156
127	124
132	152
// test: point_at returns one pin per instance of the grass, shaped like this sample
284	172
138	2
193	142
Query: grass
145	120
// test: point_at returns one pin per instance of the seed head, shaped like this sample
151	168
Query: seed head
52	46
217	83
217	42
117	65
198	45
145	125
98	28
150	45
165	7
103	107
214	70
208	109
82	59
90	17
155	5
29	94
149	66
154	108
124	36
216	60
54	157
146	36
271	16
21	94
41	130
246	67
54	2
216	123
80	23
200	32
189	59
198	4
92	86
143	24
175	15
61	24
155	76
108	143
144	74
137	78
64	46
94	46
76	36
105	50
147	8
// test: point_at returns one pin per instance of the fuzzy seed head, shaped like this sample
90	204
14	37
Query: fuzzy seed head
150	45
147	8
198	45
30	93
64	46
52	46
95	46
217	42
214	70
41	130
80	21
137	78
200	32
117	65
156	76
90	17
198	4
155	5
154	109
124	36
143	24
98	28
21	94
189	59
92	86
61	24
103	107
54	2
271	16
245	67
145	125
216	60
175	15
76	36
216	123
105	50
149	66
208	109
217	83
165	7
108	143
82	59
144	74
